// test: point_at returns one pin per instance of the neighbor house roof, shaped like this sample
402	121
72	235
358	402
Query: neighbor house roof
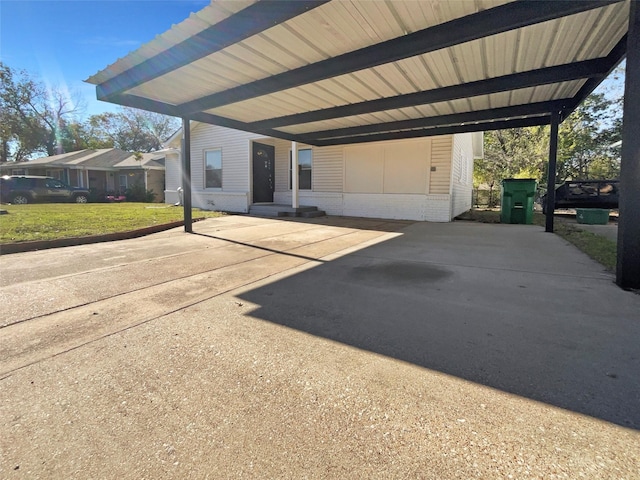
100	159
332	72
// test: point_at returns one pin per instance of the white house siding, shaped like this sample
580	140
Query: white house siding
236	172
326	178
439	183
173	177
461	174
328	169
382	179
413	179
283	149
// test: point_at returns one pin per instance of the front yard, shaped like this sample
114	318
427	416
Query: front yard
53	221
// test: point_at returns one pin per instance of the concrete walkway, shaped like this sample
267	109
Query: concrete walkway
327	348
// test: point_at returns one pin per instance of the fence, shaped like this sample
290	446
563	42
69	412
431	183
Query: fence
486	198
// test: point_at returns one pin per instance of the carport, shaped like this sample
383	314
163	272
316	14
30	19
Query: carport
338	72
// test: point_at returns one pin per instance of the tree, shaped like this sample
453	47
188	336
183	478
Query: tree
587	148
586	137
131	129
33	116
513	153
36	120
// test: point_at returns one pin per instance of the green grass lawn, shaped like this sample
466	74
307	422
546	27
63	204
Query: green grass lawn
51	221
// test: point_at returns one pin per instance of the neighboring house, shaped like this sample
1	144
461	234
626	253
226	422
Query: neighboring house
103	171
427	178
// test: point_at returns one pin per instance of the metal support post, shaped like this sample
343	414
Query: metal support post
186	175
294	175
628	261
551	173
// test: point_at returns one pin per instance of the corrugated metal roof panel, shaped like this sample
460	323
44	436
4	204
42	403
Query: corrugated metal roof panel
339	27
481	102
446	67
347	26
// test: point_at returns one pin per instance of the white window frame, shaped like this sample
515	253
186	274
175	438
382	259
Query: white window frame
18	171
204	157
126	182
310	150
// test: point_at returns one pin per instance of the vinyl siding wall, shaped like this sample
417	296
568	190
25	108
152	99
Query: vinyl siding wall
440	165
461	174
236	174
173	177
426	199
332	192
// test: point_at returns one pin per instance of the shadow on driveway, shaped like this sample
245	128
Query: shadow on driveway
525	313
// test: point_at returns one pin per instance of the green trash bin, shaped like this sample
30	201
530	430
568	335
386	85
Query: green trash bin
592	216
517	200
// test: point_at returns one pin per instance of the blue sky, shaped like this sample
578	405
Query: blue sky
64	42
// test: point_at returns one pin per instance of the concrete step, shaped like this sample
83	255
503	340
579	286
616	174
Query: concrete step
316	213
276	210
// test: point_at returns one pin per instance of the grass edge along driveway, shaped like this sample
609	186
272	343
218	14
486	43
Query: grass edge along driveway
52	221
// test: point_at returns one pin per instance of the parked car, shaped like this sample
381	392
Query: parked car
585	194
20	189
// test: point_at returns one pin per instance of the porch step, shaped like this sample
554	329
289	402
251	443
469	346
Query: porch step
276	210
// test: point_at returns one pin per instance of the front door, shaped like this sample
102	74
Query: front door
264	169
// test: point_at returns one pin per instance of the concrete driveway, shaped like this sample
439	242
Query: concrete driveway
331	348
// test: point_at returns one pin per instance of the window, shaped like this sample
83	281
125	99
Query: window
57	174
25	182
18	171
213	168
122	182
304	169
49	183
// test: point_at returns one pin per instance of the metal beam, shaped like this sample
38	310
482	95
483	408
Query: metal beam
186	175
551	171
311	139
560	73
502	113
628	262
429	132
496	20
239	26
167	109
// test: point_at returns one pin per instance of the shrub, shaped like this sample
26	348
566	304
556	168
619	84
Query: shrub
137	193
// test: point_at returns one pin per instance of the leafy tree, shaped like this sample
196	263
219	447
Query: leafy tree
20	131
587	148
33	116
36	120
586	137
513	153
131	129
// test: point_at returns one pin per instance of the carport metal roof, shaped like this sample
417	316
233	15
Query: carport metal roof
337	72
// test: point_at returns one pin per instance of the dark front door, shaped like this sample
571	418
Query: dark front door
264	169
